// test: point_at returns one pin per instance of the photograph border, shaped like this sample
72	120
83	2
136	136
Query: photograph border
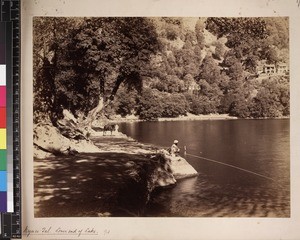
158	228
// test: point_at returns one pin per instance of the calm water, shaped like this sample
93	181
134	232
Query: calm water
261	146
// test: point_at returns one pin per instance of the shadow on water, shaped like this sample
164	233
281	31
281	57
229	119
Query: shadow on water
259	146
219	191
97	184
204	196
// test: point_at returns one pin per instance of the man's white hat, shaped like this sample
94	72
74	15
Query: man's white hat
175	141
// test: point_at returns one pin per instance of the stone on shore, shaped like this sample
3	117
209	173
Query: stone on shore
49	140
180	168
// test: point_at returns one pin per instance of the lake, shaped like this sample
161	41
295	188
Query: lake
260	147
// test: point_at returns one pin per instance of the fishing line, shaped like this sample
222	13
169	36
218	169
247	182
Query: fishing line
232	166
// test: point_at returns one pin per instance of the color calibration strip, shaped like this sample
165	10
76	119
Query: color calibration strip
10	221
3	139
6	110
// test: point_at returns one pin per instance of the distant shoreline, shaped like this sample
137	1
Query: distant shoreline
192	117
188	117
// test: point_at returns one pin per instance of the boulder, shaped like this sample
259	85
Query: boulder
48	138
180	168
163	175
164	178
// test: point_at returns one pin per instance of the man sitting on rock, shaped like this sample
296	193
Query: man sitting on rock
175	149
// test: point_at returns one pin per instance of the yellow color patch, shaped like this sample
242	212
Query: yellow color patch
2	138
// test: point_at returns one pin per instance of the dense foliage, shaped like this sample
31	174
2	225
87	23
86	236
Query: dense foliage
160	67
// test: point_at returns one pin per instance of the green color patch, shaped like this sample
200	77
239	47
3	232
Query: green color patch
3	160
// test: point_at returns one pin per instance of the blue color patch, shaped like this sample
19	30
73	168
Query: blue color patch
3	181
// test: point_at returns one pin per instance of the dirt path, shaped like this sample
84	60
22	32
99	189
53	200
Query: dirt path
93	184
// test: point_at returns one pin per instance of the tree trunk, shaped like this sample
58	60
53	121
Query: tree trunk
92	114
118	82
87	123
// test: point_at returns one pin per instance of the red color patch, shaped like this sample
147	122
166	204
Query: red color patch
2	117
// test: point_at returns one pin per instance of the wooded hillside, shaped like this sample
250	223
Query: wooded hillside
160	67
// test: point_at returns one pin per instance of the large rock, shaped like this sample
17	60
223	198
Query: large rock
180	168
48	138
162	175
142	177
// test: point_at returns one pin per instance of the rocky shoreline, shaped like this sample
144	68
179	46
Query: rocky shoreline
115	179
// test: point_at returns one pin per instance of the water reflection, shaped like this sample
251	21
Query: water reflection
261	146
187	186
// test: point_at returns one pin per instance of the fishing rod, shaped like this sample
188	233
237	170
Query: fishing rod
229	165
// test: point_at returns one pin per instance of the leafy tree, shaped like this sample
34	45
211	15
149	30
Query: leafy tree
240	108
271	55
212	93
197	55
173	105
250	62
149	105
200	104
266	105
284	95
170	84
224	82
236	74
153	104
237	30
48	35
245	36
172	32
97	49
199	28
171	60
277	29
191	69
210	71
125	102
271	99
188	81
219	51
93	65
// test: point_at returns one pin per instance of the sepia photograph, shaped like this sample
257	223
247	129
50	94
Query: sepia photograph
161	117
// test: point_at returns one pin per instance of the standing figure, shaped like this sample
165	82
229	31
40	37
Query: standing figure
116	128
